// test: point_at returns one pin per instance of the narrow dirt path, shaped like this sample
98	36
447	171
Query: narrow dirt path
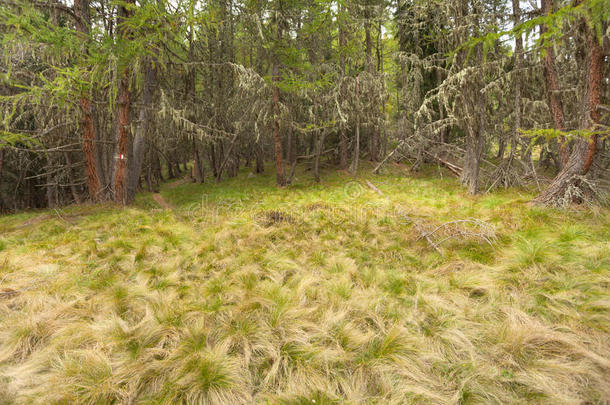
161	201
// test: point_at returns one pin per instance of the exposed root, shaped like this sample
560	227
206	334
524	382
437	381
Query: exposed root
577	190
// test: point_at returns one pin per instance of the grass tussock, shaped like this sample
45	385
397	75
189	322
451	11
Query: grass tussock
313	294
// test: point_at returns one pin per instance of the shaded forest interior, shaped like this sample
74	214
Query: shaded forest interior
103	98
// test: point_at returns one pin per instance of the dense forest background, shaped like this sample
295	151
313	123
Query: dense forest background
102	98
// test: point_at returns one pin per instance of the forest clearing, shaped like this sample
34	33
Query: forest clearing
212	202
316	293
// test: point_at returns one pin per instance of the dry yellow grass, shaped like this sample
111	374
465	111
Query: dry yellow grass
332	298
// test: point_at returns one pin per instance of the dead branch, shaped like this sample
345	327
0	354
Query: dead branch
372	187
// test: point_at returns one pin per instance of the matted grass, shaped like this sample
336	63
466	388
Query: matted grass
245	293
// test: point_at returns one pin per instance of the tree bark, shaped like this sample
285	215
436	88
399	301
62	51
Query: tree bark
342	45
124	105
584	150
89	151
357	140
89	134
552	86
72	186
259	156
517	80
279	168
316	162
139	142
475	140
197	166
374	131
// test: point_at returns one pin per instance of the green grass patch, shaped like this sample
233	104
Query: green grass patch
311	294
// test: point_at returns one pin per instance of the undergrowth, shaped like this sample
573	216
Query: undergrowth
315	293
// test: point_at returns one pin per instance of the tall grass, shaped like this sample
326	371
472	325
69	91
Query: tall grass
313	294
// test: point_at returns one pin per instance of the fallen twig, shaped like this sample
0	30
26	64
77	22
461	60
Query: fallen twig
376	169
372	187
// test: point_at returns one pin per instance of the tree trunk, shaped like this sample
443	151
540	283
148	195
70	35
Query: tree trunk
92	165
475	142
357	140
583	151
260	159
373	144
470	174
89	150
279	168
552	86
342	133
198	174
124	104
123	123
316	162
276	134
342	149
139	142
517	78
73	189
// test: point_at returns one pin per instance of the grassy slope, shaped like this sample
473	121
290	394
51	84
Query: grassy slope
211	303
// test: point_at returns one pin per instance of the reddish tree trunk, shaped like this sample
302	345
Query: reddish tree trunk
594	97
584	151
89	137
81	12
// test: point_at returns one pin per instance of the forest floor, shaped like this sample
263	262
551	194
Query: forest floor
240	292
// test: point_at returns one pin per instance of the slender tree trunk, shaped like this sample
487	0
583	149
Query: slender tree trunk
319	150
501	147
213	160
342	149
73	189
124	105
517	79
373	142
357	140
342	46
276	130
376	138
139	142
279	168
197	166
89	150
470	175
259	157
552	86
